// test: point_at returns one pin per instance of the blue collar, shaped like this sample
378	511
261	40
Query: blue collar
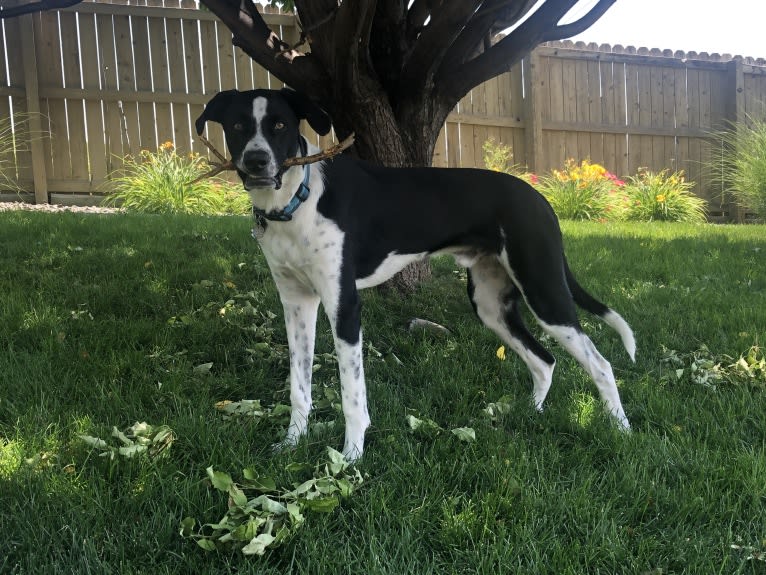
300	196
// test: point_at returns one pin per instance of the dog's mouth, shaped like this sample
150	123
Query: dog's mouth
259	182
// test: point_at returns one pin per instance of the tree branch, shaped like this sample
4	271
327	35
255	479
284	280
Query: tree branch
40	6
542	25
494	15
353	27
574	28
434	41
254	37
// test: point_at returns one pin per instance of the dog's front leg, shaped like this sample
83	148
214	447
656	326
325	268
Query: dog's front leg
345	319
300	322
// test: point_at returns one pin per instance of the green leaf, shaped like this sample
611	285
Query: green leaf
131	450
280	409
187	526
206	544
426	427
238	496
294	510
345	487
297	467
94	441
258	545
269	505
203	367
260	483
140	429
121	436
323	504
247	531
220	480
466	434
337	461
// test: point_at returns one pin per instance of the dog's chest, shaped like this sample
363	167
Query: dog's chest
307	252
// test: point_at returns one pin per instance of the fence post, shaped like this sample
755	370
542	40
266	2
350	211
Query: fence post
533	121
31	90
736	114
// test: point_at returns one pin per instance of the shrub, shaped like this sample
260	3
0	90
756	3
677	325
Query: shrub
498	157
11	130
661	196
744	164
159	182
582	191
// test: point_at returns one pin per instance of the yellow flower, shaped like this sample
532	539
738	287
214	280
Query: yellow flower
660	198
500	353
166	145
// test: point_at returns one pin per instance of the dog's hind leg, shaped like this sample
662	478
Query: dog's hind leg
496	301
545	289
580	346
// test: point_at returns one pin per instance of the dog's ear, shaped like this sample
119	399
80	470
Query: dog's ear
214	109
308	110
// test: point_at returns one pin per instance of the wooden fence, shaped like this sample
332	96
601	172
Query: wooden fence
99	81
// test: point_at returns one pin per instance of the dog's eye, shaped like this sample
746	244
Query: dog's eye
239	127
279	126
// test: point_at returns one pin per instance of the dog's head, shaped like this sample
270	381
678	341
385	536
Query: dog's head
261	129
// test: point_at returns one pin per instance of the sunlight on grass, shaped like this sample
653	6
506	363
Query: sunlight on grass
584	409
11	456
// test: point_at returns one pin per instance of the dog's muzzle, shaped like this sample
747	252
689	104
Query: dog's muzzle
257	170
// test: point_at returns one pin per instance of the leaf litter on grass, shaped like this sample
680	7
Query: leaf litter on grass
274	514
704	368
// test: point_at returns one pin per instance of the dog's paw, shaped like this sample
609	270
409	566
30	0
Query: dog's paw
352	452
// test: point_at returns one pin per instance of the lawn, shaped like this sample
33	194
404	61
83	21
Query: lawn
108	320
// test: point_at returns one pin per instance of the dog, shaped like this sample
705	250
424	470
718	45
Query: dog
329	229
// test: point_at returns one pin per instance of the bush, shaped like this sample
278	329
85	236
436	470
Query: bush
583	192
11	138
498	157
661	196
744	164
158	182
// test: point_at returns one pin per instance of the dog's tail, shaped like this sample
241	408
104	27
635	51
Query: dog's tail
608	315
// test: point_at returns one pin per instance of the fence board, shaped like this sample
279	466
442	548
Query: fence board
97	154
76	138
112	109
211	75
15	77
513	109
143	81
55	146
194	83
163	112
681	108
181	118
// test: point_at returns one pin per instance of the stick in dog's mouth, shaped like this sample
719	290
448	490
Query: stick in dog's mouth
228	165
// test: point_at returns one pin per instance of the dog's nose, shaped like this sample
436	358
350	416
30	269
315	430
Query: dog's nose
256	160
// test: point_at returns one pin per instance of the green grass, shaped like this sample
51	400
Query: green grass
103	319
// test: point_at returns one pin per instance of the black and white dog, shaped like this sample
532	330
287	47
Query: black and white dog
332	228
